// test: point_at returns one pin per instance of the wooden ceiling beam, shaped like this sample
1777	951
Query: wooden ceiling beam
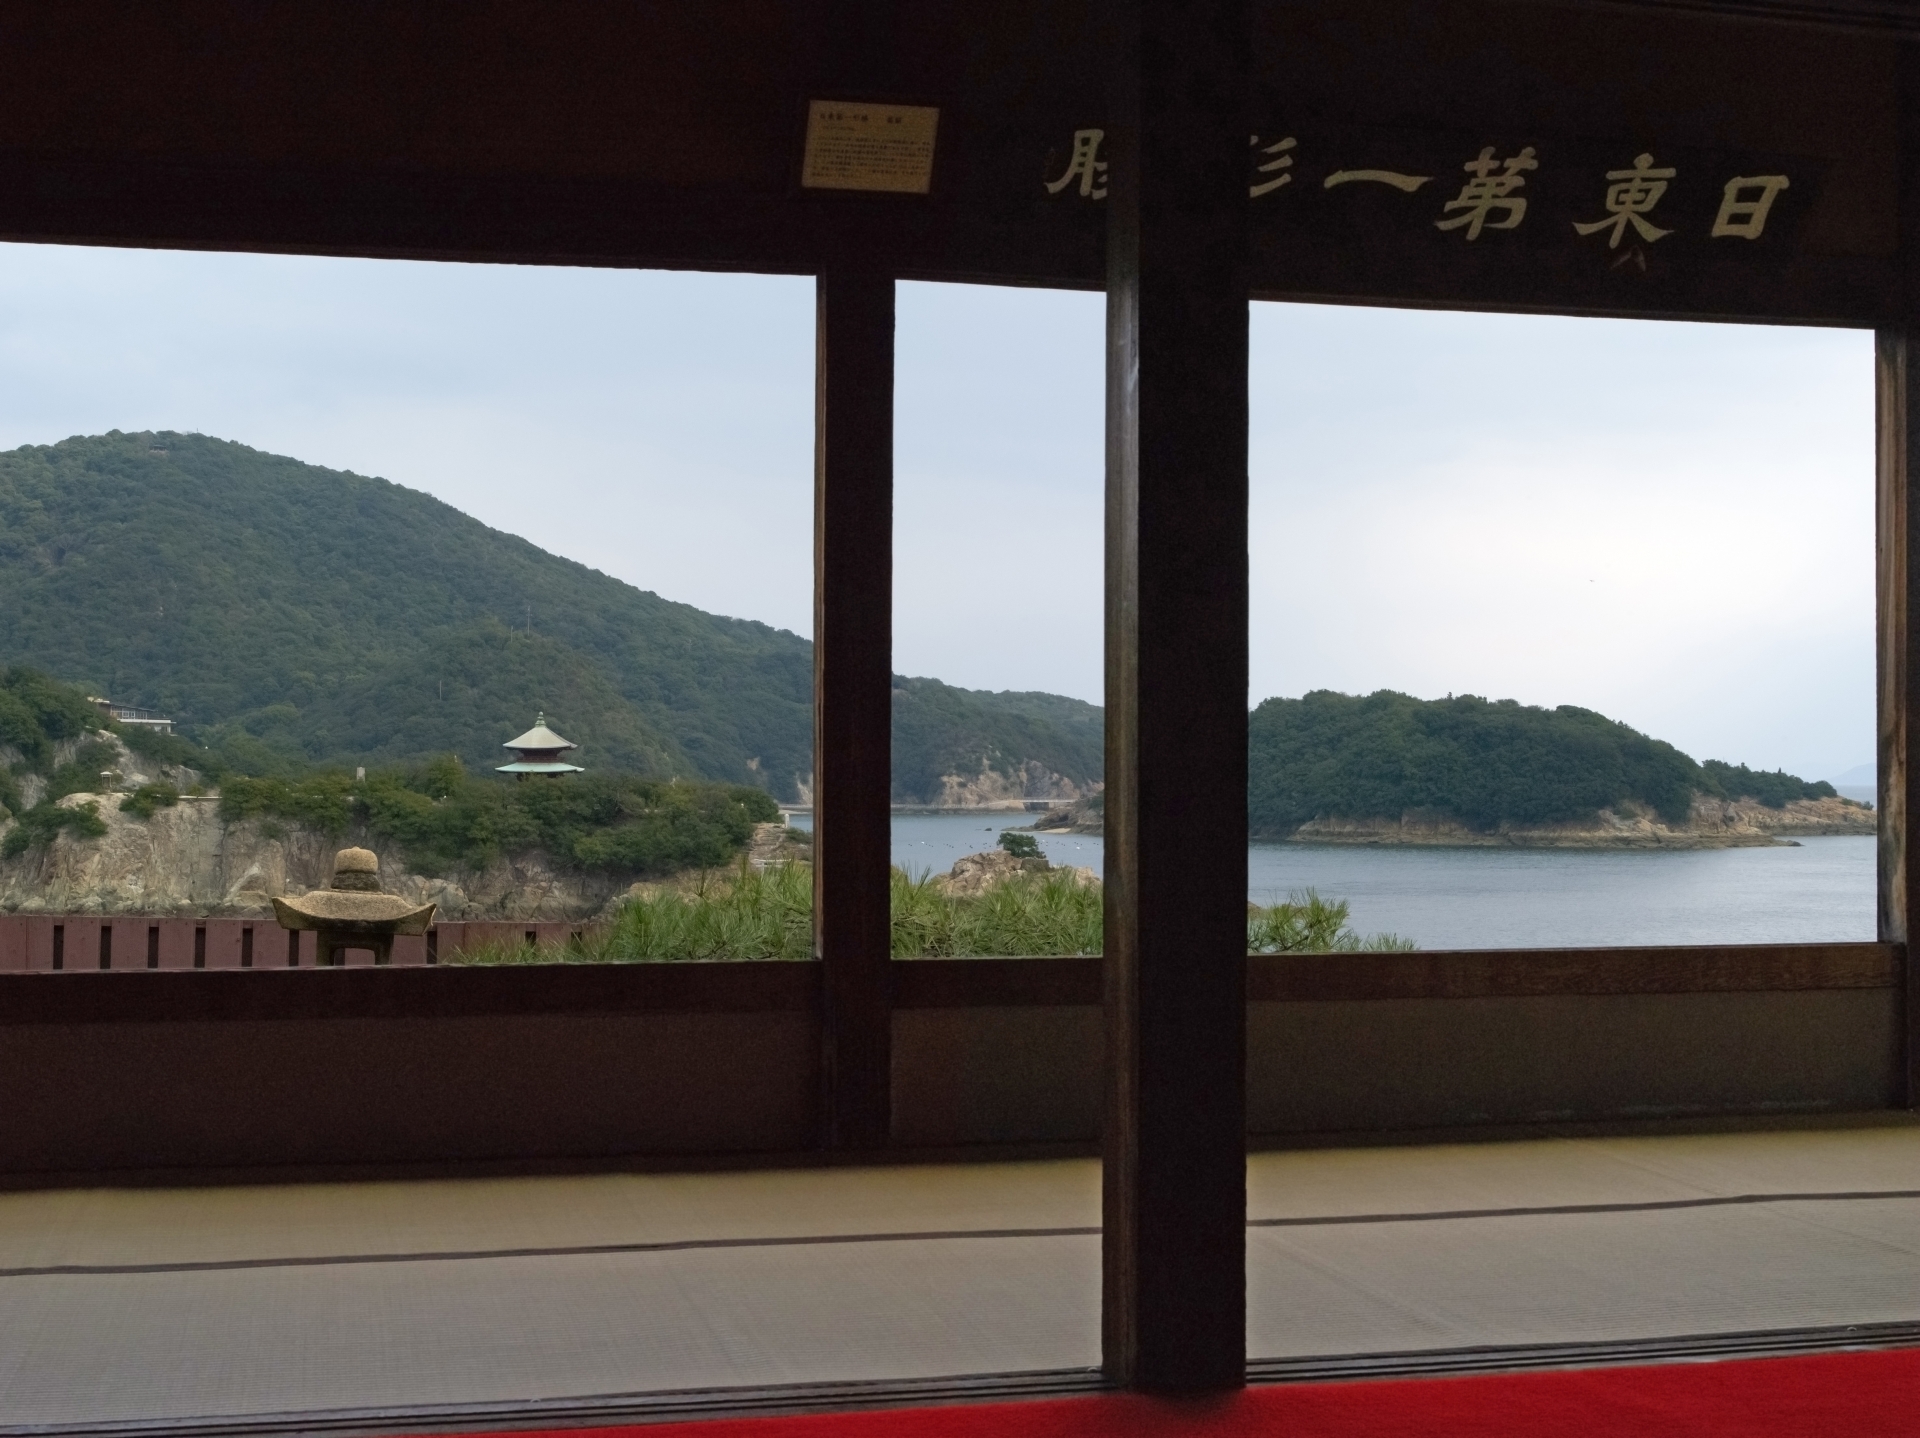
1897	16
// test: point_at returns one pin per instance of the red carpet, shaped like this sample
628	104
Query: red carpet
1841	1395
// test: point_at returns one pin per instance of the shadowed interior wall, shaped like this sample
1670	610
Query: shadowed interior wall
1005	1075
996	1075
1428	1063
404	1091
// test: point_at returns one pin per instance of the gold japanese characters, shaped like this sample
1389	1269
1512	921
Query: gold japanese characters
1494	194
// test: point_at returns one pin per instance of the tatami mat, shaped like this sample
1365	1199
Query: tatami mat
107	1226
1552	1172
322	1297
1572	1278
503	1330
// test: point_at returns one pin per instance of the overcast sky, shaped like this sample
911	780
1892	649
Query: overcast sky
1671	524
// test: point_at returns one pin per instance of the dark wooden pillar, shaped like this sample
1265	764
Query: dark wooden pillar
1174	1316
1897	450
853	696
1897	384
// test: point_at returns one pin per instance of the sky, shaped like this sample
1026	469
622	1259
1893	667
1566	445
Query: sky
1671	524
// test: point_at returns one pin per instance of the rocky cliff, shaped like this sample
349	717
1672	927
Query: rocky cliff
1030	783
188	860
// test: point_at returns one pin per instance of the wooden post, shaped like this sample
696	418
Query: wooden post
853	697
1896	377
1174	1306
1896	394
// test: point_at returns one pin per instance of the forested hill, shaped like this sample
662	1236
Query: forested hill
288	615
1480	762
939	730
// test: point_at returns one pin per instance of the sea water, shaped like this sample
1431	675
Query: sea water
1818	890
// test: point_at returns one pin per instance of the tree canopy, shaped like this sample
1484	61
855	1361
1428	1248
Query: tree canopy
442	819
1481	762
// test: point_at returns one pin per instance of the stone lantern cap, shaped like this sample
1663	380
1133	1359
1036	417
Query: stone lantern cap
357	869
354	898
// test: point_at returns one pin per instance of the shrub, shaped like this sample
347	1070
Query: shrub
323	802
1021	846
143	803
443	777
770	916
767	915
1308	924
167	749
1024	914
440	818
43	823
20	731
752	916
81	774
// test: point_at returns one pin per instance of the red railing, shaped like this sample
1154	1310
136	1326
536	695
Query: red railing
44	943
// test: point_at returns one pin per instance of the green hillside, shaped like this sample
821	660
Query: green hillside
289	616
440	816
1478	761
939	730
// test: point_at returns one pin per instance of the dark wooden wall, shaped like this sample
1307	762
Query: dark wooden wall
119	1077
645	132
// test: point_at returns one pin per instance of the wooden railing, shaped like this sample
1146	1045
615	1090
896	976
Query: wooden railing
77	943
45	943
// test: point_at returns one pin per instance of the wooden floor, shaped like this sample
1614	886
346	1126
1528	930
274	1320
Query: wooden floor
135	1307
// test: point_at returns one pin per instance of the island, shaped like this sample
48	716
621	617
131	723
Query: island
1387	768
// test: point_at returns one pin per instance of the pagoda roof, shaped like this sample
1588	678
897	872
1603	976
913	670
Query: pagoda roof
532	766
541	739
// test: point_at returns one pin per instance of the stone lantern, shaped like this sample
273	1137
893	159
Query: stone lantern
538	751
354	912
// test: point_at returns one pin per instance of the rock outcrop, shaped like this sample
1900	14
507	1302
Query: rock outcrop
126	769
974	874
778	843
1031	783
188	860
1083	816
1712	824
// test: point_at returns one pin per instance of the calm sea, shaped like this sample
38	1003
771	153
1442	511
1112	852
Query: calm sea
1505	898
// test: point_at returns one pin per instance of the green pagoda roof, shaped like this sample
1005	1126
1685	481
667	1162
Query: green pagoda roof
539	740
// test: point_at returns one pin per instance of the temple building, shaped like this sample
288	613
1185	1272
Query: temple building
538	751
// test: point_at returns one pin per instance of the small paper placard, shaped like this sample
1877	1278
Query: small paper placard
855	146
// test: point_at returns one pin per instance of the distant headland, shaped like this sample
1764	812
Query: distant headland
1466	772
1387	768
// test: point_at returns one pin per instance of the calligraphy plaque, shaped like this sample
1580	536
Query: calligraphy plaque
884	149
1651	159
